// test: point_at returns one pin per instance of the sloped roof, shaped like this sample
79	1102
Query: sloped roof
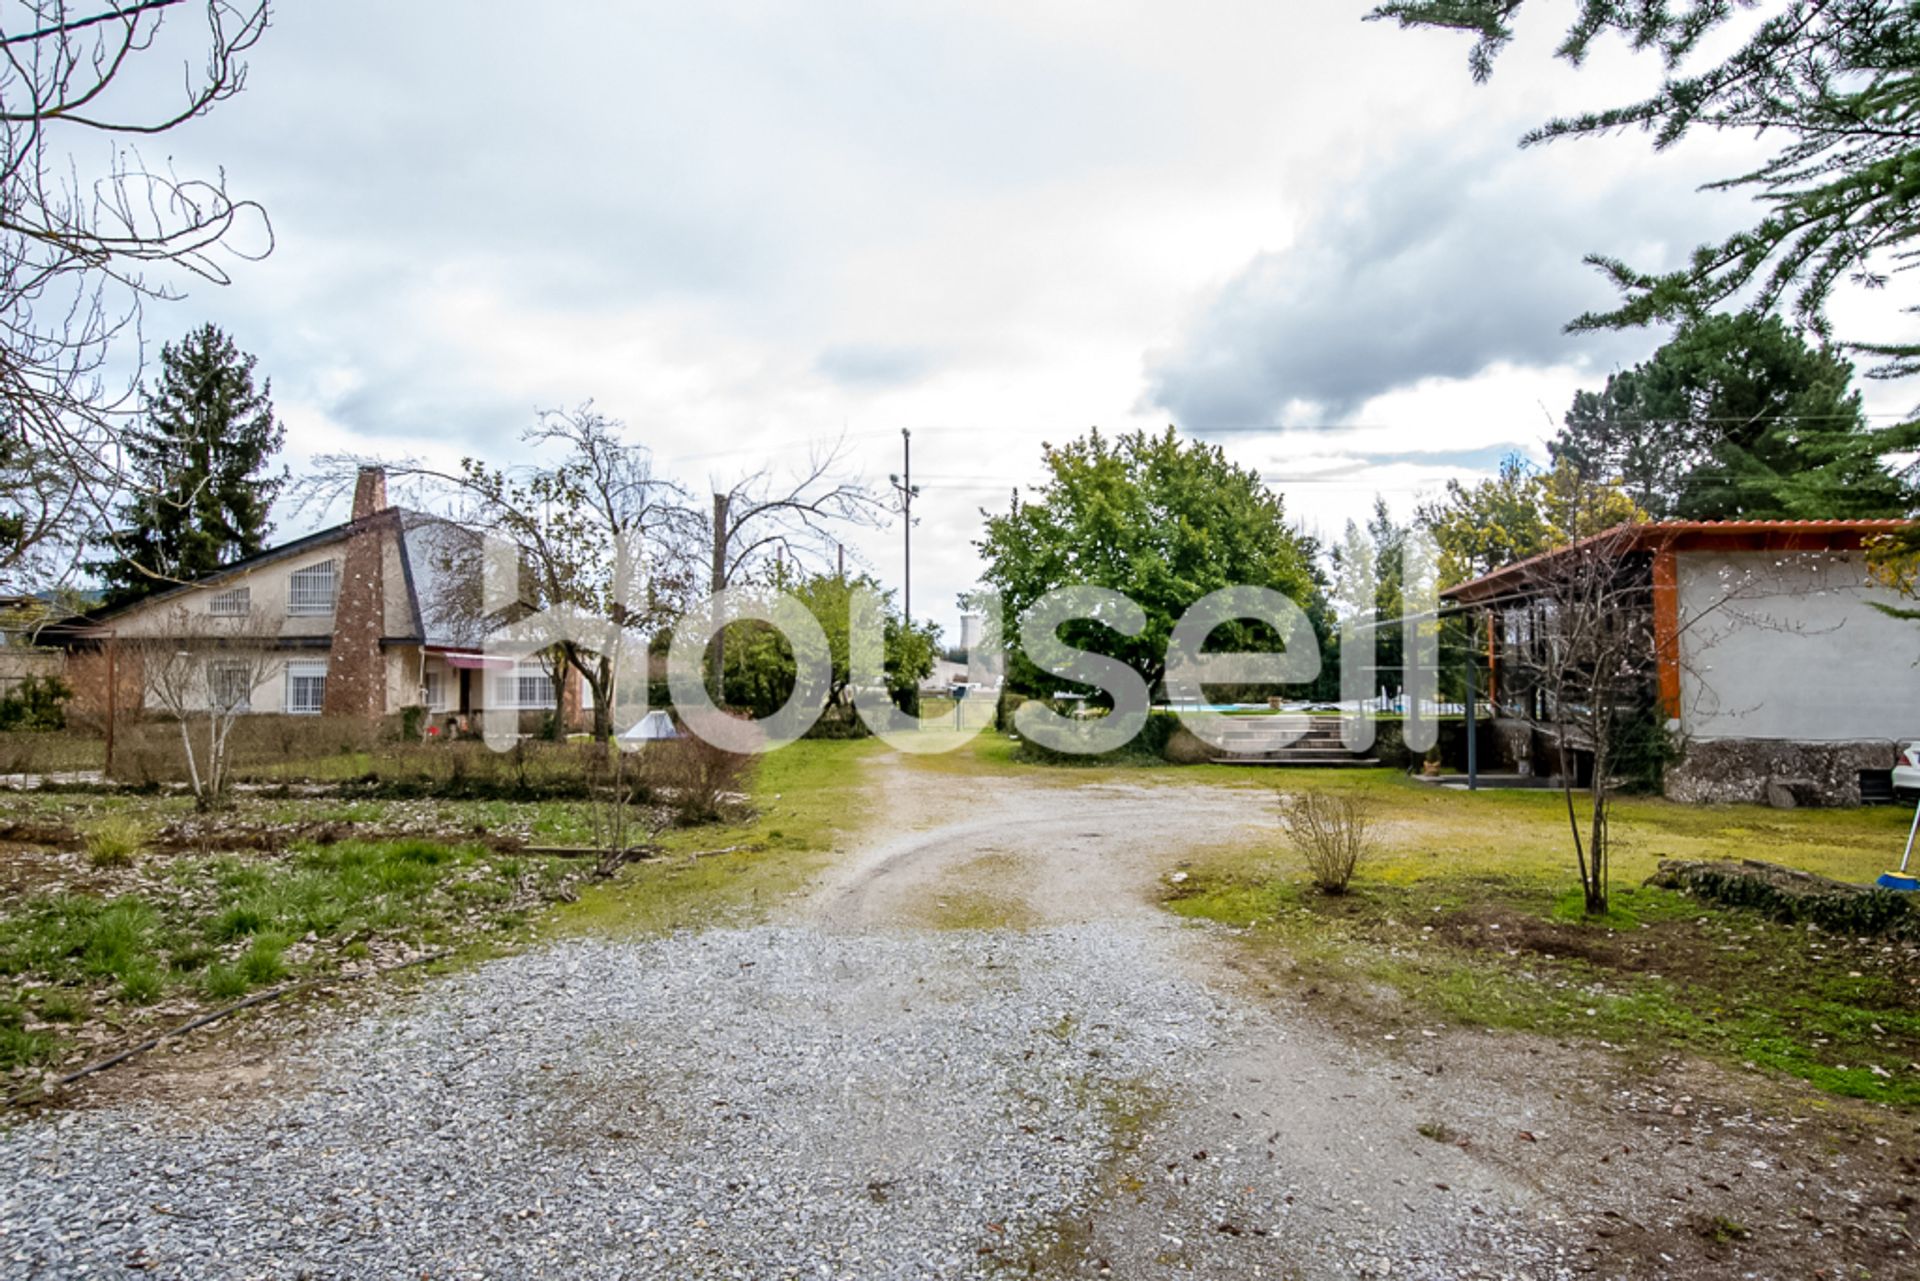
307	543
422	543
1759	535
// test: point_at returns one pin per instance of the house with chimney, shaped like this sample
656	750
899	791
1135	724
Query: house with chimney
1768	660
362	620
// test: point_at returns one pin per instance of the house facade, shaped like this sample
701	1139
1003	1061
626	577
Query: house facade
357	621
1769	666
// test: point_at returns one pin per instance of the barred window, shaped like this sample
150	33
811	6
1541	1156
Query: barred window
231	685
234	602
310	590
528	685
306	687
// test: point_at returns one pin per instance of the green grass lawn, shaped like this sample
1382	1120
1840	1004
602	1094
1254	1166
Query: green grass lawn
1432	832
808	800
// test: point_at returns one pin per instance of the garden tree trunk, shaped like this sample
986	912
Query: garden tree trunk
1599	845
602	683
717	646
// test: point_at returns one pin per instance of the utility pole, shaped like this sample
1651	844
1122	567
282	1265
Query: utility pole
904	484
717	647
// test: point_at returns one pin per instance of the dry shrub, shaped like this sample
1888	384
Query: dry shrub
692	777
1184	747
42	752
262	746
1333	832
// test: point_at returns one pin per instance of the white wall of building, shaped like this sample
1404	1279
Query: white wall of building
1786	645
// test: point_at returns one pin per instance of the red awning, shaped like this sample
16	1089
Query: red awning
456	658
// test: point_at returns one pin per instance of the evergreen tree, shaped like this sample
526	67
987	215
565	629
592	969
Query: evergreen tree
1383	545
1738	417
200	468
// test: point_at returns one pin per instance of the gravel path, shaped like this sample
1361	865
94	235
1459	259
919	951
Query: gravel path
762	1102
837	1096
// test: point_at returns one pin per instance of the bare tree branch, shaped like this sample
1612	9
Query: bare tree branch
82	251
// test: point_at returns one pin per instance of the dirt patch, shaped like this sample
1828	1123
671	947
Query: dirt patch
1496	928
38	833
223	834
979	894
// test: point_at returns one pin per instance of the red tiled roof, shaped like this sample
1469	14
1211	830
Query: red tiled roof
1795	534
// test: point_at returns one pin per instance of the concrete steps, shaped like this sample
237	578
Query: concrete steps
1262	740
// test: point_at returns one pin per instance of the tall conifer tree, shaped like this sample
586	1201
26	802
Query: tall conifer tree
201	468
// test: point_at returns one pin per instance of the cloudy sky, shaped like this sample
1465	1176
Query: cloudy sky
753	229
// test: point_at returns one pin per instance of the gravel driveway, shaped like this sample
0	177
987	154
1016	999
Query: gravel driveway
836	1094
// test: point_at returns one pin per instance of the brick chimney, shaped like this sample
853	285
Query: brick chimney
356	668
369	492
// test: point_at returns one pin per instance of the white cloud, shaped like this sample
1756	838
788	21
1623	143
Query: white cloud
749	228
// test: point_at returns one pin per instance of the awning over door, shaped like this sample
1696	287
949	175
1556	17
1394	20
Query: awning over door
477	662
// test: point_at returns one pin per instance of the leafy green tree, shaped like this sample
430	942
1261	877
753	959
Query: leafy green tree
201	482
760	666
1516	513
1738	417
1162	521
1322	614
1833	79
1481	527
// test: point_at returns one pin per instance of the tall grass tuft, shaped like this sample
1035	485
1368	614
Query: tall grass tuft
116	840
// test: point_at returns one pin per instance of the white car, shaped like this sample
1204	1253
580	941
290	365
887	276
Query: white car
1906	774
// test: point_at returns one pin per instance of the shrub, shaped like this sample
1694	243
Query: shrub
1333	833
691	776
37	704
1150	744
1184	747
34	752
116	840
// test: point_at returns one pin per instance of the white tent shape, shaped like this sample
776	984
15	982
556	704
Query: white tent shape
654	725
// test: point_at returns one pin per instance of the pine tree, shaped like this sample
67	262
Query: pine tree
1831	82
1739	417
202	486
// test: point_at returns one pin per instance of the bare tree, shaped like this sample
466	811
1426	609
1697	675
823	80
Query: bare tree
1590	653
621	829
202	670
793	517
85	242
1593	661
